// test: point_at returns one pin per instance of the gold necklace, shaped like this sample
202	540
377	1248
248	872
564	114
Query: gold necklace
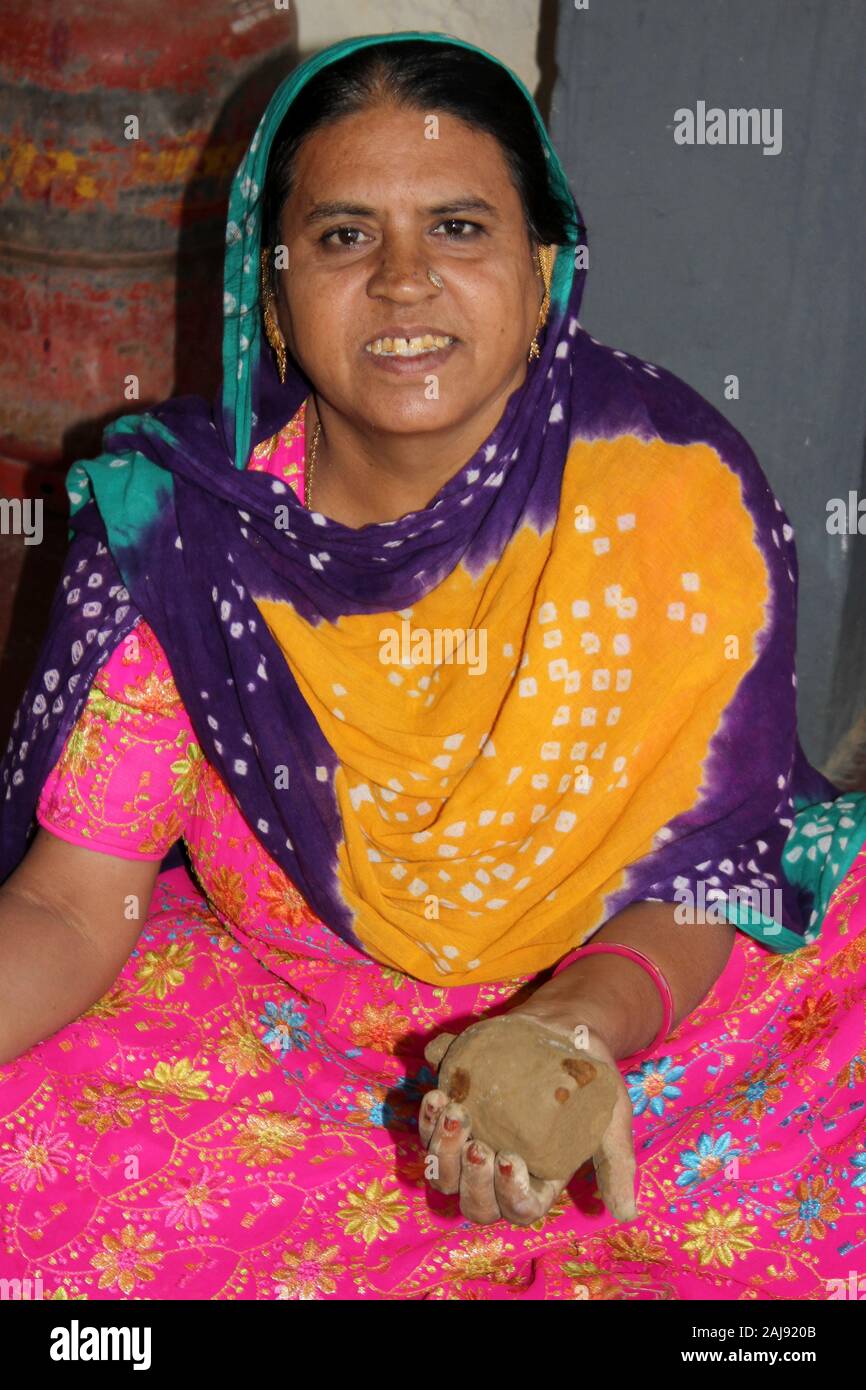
308	472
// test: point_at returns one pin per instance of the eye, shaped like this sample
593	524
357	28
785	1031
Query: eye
460	222
451	222
325	239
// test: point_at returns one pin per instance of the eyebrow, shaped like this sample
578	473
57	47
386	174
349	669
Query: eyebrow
320	212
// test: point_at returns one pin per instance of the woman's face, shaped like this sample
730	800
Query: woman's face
357	269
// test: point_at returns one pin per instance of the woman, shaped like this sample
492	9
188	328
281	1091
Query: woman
421	644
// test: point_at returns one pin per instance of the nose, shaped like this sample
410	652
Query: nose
401	275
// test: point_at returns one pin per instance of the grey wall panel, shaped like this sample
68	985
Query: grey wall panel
720	259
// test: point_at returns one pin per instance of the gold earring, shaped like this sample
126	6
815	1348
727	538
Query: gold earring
546	257
272	330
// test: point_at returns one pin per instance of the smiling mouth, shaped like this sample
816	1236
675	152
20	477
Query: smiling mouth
409	347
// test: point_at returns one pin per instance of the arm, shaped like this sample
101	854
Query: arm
65	934
72	912
616	997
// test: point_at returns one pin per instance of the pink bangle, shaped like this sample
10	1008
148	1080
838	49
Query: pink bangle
617	949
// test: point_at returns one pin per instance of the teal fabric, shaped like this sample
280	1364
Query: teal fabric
823	843
130	490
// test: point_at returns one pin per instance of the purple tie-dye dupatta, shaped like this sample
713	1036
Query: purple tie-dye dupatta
168	525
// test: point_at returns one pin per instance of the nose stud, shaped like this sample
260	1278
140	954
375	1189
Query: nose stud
435	279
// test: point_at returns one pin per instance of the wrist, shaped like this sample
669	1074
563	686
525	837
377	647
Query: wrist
583	1029
626	1016
565	1013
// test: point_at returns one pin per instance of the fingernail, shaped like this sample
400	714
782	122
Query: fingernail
474	1155
506	1169
451	1125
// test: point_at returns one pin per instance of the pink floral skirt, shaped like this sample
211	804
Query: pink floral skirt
222	1126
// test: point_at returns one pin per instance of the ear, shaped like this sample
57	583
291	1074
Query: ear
437	1047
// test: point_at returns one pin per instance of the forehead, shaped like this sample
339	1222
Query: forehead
402	153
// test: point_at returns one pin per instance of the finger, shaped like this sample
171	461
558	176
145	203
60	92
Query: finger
615	1164
432	1105
522	1199
477	1195
449	1137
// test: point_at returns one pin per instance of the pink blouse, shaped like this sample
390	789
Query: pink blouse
132	779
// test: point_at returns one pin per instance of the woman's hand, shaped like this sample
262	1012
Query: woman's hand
497	1185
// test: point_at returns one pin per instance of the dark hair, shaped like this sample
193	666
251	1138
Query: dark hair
425	75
